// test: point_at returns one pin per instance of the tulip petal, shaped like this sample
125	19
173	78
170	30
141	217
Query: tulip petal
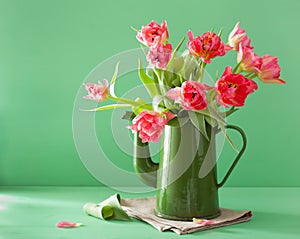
174	94
274	81
203	222
66	224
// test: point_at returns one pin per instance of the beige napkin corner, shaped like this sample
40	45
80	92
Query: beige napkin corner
143	209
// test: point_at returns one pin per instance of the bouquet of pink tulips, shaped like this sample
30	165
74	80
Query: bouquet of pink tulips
175	81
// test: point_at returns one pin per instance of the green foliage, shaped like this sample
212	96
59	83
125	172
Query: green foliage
109	107
148	82
113	81
199	122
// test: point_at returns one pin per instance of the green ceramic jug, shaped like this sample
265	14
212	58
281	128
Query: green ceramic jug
186	176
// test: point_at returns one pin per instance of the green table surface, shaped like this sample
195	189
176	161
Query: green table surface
32	212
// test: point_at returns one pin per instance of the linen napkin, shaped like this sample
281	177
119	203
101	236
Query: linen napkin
143	209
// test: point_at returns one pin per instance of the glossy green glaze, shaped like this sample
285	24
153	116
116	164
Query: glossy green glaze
183	193
143	165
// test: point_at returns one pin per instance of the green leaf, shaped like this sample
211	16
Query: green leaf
212	122
199	122
211	113
211	95
147	81
113	80
109	107
155	79
166	77
220	32
134	29
214	111
177	64
176	82
178	122
163	86
191	69
178	46
174	52
217	75
235	69
223	129
107	210
137	110
156	103
129	115
173	122
143	105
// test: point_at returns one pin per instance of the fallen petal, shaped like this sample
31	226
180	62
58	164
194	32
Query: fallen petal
203	221
64	224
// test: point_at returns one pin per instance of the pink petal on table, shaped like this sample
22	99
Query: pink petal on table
65	224
203	221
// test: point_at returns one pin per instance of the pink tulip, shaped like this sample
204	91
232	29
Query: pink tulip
238	37
159	55
190	95
250	62
65	224
97	92
150	125
233	89
207	46
153	34
270	70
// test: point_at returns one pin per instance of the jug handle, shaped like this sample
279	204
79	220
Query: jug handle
242	133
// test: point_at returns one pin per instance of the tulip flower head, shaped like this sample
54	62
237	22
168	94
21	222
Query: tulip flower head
270	70
159	55
238	37
249	61
153	34
207	46
150	125
233	89
190	95
97	92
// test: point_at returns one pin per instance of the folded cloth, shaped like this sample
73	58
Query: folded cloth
143	209
109	209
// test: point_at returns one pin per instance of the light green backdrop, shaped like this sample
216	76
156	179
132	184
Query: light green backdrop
48	47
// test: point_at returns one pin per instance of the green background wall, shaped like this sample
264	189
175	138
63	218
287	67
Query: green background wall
48	47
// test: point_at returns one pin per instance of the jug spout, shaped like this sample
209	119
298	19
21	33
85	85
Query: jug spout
145	168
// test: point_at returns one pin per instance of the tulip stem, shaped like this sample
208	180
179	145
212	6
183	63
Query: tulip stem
202	66
130	102
230	111
251	76
236	68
